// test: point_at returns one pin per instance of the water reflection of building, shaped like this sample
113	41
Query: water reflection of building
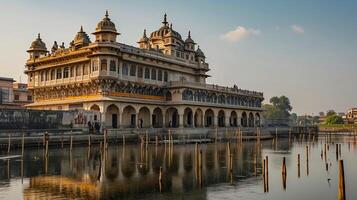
162	83
127	172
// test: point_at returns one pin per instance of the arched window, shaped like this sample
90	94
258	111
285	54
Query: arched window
95	65
147	73
166	76
140	71
125	70
112	66
153	74
103	65
159	75
132	70
187	95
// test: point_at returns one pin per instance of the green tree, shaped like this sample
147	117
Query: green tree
330	113
334	119
279	108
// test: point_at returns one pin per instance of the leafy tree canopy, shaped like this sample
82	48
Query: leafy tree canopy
334	119
279	108
330	113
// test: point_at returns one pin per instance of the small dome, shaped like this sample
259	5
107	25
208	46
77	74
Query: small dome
54	47
144	38
199	53
81	38
38	45
106	25
189	39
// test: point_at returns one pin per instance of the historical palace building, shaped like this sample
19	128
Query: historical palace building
161	83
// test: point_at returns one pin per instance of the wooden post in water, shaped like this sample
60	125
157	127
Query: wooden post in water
298	165
307	160
264	178
336	152
283	171
341	181
9	144
46	151
200	167
62	141
22	146
160	179
89	141
71	143
123	139
267	172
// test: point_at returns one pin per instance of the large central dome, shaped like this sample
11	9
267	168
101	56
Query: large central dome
164	31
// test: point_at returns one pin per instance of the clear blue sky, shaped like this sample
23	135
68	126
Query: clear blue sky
306	50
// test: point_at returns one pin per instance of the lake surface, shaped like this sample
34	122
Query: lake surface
132	171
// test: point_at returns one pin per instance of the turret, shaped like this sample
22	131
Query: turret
105	30
37	48
144	41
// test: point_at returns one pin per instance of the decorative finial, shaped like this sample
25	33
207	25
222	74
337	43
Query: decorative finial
171	26
106	14
38	36
165	20
81	29
144	35
189	34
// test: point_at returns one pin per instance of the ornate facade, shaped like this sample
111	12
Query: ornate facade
161	83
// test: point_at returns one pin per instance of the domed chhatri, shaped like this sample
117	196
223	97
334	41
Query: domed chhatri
105	30
189	39
200	53
37	49
38	45
165	31
106	25
81	39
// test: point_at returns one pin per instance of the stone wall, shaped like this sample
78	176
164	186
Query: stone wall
22	119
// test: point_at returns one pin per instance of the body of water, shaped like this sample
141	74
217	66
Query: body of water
223	171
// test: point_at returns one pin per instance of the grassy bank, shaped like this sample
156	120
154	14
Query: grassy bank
338	127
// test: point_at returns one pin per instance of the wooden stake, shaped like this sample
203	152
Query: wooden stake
123	139
160	179
307	160
284	173
71	143
298	165
9	144
341	181
22	145
267	172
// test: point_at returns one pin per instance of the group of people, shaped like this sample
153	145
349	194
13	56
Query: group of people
94	127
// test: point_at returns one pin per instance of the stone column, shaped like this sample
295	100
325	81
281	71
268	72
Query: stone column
180	120
226	120
137	119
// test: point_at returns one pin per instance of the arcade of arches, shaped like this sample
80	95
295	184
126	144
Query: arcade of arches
118	115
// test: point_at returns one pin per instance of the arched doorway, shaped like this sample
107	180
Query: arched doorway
233	119
144	117
251	120
209	118
112	116
187	117
221	118
244	119
198	118
96	108
257	119
129	117
172	117
157	118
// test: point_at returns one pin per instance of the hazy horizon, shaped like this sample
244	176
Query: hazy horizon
305	50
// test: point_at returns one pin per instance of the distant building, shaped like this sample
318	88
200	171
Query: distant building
13	95
351	116
22	95
6	92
